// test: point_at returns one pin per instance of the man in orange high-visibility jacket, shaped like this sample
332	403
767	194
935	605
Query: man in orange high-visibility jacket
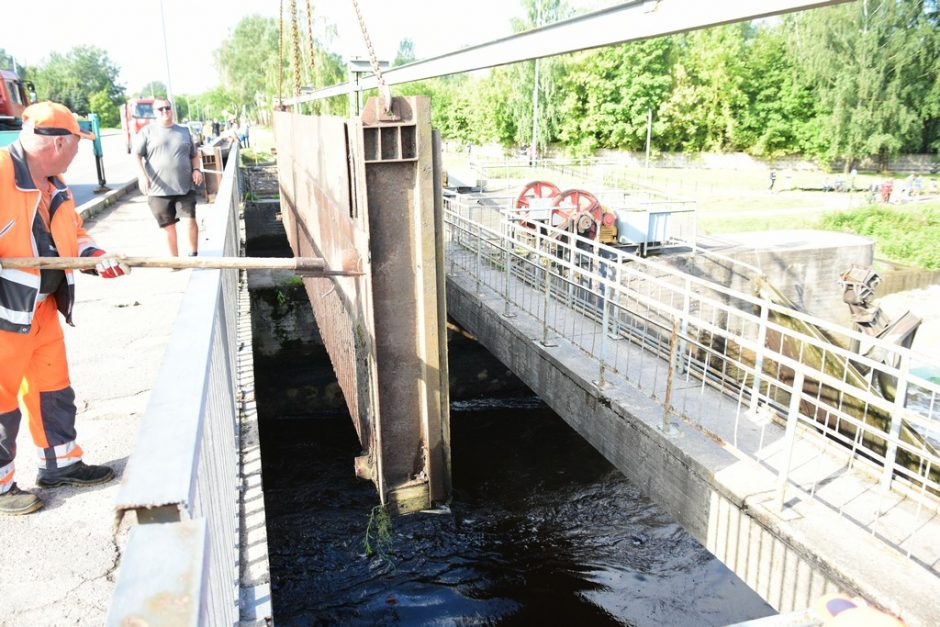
38	219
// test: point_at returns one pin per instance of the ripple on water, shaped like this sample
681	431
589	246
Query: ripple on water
543	530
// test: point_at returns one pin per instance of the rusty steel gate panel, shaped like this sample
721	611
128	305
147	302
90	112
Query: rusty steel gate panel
360	193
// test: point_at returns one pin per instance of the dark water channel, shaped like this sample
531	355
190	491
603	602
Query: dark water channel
541	530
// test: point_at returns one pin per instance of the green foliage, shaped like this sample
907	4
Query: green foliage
153	89
870	65
406	52
839	83
248	63
907	235
6	63
247	59
777	119
109	115
709	97
215	104
607	107
75	77
250	156
378	536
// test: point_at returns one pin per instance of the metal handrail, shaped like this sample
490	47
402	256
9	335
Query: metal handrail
721	335
185	468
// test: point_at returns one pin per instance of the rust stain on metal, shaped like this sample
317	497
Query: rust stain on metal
359	194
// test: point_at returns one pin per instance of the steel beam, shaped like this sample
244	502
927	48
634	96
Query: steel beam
406	249
625	22
360	193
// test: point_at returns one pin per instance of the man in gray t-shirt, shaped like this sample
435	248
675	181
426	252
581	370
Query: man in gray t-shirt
169	172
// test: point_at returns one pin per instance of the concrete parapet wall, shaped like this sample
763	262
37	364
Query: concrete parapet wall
804	265
790	558
895	279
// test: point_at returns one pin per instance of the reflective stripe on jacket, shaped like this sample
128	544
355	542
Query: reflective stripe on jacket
19	202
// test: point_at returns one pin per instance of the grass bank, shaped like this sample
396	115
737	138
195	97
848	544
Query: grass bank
906	234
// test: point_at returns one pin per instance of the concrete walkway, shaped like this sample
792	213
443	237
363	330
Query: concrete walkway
60	563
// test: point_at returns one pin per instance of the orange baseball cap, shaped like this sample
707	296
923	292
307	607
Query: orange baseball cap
52	118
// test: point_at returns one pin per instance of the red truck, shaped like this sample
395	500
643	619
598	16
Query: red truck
135	115
14	97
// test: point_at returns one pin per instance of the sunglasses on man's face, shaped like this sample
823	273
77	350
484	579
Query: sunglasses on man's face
164	109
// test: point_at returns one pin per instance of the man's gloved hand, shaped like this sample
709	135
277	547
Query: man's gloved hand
109	267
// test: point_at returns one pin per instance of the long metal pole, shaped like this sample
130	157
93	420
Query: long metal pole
649	134
534	150
302	265
166	56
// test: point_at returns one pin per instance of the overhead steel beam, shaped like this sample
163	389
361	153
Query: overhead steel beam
625	22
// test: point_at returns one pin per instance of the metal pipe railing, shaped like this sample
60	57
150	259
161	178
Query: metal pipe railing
734	343
185	468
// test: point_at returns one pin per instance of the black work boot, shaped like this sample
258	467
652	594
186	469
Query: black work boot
16	502
77	474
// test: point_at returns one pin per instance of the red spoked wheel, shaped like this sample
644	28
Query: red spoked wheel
576	205
583	201
535	189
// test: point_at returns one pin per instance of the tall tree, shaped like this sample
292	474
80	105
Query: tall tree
216	104
871	64
248	61
74	77
153	89
520	78
7	62
406	52
607	94
780	114
705	107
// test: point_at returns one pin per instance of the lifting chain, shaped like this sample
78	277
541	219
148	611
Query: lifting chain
295	39
280	55
384	91
310	39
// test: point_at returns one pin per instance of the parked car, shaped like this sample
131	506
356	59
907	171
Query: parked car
195	129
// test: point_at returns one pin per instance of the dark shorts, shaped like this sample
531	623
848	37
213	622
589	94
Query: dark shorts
168	209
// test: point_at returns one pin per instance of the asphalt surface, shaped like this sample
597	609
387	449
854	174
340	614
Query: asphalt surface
60	563
119	168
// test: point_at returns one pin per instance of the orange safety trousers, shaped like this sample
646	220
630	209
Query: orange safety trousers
34	380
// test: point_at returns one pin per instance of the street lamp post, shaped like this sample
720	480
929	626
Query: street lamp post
166	56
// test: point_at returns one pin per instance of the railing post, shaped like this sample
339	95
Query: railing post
507	246
793	415
891	452
548	289
667	397
684	329
605	320
479	253
759	357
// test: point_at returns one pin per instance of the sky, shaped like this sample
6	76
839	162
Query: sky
132	33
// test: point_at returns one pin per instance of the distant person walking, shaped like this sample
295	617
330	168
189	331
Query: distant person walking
773	179
38	218
243	134
169	174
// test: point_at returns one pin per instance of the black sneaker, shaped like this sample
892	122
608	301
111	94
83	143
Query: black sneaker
77	474
16	502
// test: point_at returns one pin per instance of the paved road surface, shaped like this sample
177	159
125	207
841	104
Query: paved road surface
59	564
118	167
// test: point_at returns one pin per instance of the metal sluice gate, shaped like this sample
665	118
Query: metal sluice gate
377	209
